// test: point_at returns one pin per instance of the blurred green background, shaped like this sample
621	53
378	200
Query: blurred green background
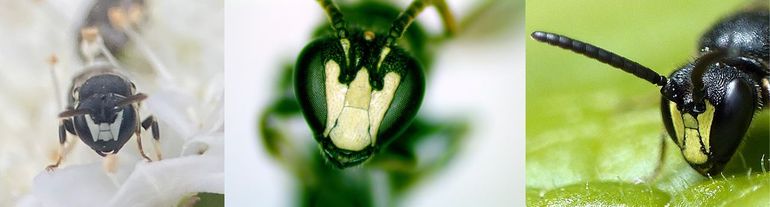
594	131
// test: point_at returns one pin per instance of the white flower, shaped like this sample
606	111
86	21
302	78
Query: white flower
186	36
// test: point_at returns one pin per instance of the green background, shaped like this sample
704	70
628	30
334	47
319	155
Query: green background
594	132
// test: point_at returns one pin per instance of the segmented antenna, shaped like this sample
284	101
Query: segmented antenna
73	112
130	100
601	55
404	20
335	17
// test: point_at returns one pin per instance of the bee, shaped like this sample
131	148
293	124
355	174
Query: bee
103	104
358	90
707	105
367	72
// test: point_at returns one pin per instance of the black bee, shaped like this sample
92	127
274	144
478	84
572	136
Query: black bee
707	105
103	104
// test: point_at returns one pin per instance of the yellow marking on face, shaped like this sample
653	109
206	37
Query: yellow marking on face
355	110
705	120
691	150
692	131
351	131
359	91
381	102
346	48
383	54
335	94
678	125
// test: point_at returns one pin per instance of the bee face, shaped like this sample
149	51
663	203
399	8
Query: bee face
107	125
708	133
357	94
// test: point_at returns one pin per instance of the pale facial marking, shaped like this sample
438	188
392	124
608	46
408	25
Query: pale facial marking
381	102
355	111
351	129
345	47
384	53
105	131
335	95
692	131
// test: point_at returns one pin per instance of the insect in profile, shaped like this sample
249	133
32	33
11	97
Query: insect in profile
707	105
103	106
358	89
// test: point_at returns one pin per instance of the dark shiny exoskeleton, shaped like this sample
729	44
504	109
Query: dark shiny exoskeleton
406	104
103	111
100	91
103	103
713	99
368	43
736	82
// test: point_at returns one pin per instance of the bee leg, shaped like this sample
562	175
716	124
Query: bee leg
62	150
139	142
150	122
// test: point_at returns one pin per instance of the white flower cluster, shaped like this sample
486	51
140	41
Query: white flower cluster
185	36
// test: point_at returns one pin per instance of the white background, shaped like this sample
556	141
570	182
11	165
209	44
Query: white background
480	77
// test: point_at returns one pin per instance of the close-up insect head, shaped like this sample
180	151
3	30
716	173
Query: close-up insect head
367	103
384	103
681	122
83	79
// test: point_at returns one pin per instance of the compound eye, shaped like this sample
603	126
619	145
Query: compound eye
309	79
731	120
355	110
666	108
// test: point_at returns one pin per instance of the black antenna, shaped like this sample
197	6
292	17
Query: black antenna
601	55
74	112
131	99
699	68
335	17
404	20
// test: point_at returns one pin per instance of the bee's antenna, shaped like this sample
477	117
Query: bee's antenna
335	17
699	67
73	112
405	19
601	55
131	99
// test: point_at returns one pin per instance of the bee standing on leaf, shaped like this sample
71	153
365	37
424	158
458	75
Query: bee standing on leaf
707	105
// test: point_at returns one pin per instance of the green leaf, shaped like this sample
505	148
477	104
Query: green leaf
591	124
741	191
601	194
